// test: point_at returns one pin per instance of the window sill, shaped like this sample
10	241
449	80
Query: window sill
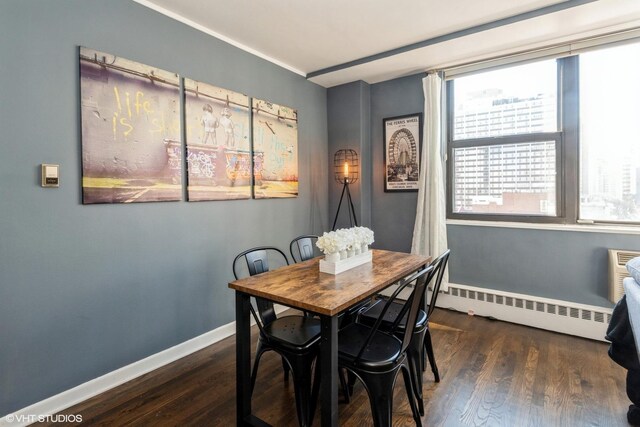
585	228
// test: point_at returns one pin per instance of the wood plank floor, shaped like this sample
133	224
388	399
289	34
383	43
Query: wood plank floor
492	374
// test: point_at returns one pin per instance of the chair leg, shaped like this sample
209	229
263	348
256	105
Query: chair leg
414	363
380	390
315	391
351	382
285	368
344	386
432	360
423	358
254	372
408	376
301	367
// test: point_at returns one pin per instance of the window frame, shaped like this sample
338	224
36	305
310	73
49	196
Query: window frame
507	140
567	153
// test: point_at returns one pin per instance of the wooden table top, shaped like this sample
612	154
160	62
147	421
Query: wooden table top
303	286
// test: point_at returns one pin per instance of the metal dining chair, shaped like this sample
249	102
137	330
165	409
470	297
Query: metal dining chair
295	338
421	344
376	357
302	248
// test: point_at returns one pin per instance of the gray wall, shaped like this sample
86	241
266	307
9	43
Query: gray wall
565	265
85	290
393	214
349	121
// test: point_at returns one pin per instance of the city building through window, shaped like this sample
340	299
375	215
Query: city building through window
504	137
556	140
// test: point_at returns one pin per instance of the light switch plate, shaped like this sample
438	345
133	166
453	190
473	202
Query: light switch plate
50	175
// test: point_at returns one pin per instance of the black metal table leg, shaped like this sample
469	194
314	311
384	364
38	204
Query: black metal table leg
243	359
329	367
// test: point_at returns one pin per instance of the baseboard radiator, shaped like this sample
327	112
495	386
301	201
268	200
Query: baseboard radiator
554	315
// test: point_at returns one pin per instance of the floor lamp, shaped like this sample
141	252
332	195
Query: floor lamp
345	165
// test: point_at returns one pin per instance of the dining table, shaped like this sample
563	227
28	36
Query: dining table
302	286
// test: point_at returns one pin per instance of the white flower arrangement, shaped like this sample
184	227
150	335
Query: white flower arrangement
344	239
364	235
329	243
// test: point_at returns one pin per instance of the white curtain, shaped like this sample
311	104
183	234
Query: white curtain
430	229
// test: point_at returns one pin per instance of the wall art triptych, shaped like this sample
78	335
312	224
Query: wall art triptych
275	143
218	129
132	149
130	122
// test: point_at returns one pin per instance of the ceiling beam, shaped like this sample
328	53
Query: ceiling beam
568	4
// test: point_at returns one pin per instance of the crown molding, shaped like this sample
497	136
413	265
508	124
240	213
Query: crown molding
173	15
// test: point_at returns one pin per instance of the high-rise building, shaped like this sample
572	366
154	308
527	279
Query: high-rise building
486	176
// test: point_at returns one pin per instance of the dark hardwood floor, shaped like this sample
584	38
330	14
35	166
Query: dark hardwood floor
492	374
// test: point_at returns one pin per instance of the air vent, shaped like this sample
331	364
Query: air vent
618	259
574	312
540	306
562	310
598	317
499	299
551	308
625	256
472	294
509	301
519	303
529	304
586	315
480	296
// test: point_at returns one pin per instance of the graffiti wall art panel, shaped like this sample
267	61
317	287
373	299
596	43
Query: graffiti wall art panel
275	145
402	144
130	131
218	147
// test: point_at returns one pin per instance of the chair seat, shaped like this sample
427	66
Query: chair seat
381	353
370	315
297	333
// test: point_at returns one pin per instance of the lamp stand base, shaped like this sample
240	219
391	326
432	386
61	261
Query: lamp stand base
352	212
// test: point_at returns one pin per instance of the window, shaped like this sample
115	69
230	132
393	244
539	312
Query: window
610	134
512	97
550	141
489	180
505	165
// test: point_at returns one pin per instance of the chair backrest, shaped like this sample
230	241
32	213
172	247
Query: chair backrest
439	264
304	246
412	305
257	260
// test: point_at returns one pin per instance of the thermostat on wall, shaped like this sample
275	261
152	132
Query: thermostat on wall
50	176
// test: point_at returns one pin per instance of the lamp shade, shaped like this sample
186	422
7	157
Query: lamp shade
346	166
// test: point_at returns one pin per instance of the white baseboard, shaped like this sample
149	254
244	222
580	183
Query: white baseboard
82	392
566	317
570	318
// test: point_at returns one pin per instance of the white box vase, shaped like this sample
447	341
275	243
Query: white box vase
345	264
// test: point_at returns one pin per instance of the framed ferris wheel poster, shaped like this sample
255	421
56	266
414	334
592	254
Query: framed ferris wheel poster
402	145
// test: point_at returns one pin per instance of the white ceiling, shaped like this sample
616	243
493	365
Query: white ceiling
307	36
